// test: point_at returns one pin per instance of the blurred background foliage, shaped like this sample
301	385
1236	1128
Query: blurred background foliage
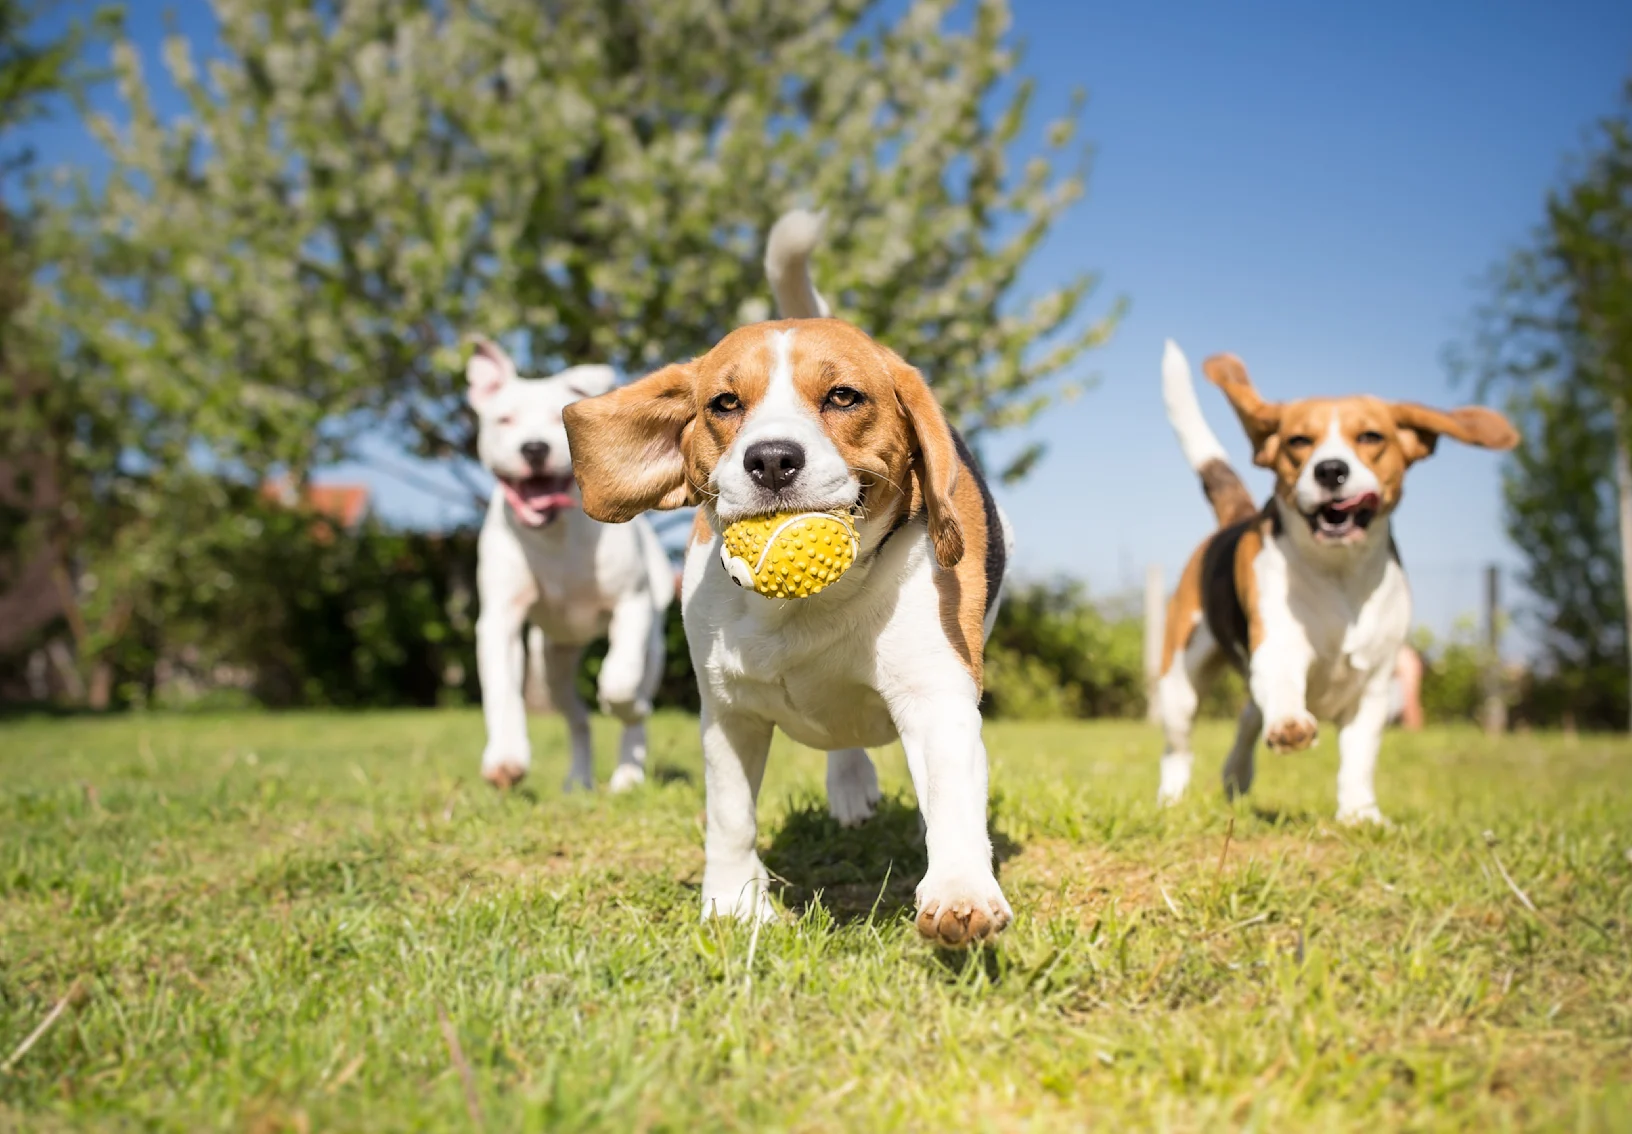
296	260
246	290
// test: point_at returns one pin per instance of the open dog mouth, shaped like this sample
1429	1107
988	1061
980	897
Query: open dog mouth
538	500
1339	520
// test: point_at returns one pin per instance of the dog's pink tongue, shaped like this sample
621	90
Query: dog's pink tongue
536	508
1353	503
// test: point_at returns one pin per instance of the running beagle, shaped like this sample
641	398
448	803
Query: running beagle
811	414
1306	595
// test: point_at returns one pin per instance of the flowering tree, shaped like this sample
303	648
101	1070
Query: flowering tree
357	186
354	187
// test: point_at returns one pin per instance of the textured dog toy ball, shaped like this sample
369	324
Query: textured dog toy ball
790	554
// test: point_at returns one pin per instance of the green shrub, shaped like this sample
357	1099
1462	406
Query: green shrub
1453	672
1053	652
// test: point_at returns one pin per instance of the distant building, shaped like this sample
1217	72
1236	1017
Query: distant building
345	504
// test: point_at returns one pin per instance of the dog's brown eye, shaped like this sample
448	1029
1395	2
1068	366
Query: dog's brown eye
843	397
1299	443
725	403
507	419
1369	437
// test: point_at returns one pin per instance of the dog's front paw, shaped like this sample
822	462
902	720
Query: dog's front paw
955	910
1291	733
626	777
504	771
618	695
852	788
738	893
1362	815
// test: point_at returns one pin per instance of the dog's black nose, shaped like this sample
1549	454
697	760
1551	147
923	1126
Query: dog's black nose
774	464
1331	474
535	453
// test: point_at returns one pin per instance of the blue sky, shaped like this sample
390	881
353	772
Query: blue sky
1318	188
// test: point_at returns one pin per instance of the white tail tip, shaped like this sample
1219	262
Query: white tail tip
787	264
1199	443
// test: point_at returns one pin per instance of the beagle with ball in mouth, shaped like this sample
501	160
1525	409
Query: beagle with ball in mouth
803	415
1306	595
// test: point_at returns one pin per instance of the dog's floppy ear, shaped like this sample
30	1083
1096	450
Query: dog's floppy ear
588	381
1420	428
487	372
1261	419
936	464
629	446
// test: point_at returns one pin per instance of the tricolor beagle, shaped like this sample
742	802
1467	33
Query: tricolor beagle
811	414
1305	596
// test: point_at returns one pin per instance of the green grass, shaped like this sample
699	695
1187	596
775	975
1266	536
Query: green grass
267	919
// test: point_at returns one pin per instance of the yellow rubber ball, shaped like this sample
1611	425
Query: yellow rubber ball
789	554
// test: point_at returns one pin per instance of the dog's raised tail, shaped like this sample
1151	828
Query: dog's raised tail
1229	497
787	264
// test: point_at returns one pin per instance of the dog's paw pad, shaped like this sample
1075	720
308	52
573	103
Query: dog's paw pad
1366	816
504	774
952	915
1292	734
626	777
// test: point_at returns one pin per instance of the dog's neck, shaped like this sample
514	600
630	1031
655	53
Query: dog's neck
1359	564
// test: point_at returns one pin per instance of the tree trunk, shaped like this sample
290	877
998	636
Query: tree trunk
1623	493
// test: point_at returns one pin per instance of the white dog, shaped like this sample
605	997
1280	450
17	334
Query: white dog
810	414
1306	595
541	560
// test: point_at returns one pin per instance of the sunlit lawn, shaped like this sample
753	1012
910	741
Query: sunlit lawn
316	922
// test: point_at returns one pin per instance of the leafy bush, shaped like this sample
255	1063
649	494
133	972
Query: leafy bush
1054	653
1453	672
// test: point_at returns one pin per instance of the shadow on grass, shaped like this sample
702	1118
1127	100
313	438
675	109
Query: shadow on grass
1285	816
857	871
666	774
956	963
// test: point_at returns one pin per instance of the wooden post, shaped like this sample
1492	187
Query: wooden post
1623	506
1155	615
1495	713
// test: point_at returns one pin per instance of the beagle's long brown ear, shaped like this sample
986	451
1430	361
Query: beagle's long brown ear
1420	428
1261	419
629	445
936	464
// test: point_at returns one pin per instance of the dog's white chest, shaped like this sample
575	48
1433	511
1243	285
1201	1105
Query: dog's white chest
569	576
815	710
572	606
1353	625
809	669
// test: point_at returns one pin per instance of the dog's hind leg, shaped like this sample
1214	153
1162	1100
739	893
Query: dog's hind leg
1178	695
852	786
499	655
629	680
534	692
1242	762
560	677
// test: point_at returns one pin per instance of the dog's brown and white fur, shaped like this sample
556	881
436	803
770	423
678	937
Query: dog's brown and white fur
1306	596
812	414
